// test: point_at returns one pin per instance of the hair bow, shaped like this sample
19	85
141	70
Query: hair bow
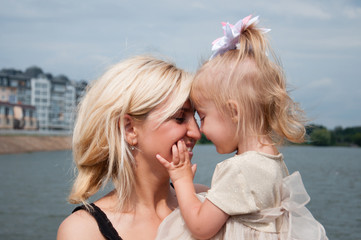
231	34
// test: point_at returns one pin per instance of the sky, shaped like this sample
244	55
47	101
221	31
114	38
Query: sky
318	41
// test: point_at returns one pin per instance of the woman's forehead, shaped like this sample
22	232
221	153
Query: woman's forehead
187	105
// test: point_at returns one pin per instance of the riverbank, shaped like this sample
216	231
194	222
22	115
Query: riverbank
10	144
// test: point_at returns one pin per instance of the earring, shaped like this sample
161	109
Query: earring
132	148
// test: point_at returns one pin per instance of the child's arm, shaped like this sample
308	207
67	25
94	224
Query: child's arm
204	220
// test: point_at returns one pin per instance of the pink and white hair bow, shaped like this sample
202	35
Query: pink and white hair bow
231	35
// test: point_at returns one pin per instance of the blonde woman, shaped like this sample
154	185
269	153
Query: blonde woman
139	108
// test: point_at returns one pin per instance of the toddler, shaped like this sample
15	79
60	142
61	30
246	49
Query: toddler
241	98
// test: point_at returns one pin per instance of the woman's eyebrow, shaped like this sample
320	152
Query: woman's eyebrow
188	109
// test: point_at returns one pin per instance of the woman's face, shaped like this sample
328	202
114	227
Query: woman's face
154	139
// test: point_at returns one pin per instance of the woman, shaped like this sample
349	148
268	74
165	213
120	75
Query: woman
137	109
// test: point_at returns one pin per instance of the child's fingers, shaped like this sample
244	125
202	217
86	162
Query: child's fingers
185	152
194	169
181	151
163	161
175	152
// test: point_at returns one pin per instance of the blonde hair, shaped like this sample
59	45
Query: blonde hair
257	83
101	153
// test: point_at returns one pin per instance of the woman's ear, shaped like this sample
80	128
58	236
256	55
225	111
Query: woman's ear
233	110
130	130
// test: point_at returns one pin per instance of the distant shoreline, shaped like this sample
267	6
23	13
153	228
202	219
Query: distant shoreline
19	143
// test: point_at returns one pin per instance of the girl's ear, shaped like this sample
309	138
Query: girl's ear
233	110
130	130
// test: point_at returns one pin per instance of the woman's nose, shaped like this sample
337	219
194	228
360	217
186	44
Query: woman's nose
193	129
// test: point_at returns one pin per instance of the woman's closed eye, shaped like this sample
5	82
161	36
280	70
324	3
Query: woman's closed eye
180	117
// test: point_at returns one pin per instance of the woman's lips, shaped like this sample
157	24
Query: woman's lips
189	149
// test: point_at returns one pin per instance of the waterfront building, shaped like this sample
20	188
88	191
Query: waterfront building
35	100
15	87
7	93
80	88
62	104
40	98
17	116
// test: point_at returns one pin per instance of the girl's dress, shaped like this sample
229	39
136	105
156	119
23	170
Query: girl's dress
263	201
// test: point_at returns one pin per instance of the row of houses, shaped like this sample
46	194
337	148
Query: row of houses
33	100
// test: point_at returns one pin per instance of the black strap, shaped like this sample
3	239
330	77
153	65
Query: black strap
105	226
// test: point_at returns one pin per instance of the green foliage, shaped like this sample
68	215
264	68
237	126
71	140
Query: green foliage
357	139
321	137
204	140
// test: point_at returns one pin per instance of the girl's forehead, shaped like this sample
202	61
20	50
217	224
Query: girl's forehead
202	105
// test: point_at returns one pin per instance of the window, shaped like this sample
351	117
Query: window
14	83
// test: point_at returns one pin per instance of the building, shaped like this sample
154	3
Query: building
40	98
17	116
35	100
7	93
62	104
80	89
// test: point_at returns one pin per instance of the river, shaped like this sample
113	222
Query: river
34	187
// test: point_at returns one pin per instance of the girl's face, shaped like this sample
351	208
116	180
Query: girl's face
217	127
154	140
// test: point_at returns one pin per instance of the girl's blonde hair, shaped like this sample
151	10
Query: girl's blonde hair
134	87
248	76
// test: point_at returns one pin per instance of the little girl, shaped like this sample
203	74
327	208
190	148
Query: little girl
241	98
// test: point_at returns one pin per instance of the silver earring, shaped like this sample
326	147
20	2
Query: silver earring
132	148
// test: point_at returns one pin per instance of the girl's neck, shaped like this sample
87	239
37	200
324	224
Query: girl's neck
258	144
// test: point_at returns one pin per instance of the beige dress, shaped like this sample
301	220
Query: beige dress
263	202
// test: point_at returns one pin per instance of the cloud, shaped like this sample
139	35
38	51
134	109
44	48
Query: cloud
292	8
318	41
352	12
322	83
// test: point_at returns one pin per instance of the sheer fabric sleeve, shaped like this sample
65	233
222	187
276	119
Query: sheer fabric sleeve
230	190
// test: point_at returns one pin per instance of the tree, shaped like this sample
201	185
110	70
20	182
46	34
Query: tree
321	137
357	139
204	140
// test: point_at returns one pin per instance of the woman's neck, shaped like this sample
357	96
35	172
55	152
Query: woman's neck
152	193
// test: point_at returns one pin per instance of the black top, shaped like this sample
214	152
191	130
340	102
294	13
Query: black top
105	226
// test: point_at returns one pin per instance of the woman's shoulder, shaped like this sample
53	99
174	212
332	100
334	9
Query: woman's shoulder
79	225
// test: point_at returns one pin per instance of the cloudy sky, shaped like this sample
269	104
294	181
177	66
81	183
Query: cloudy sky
318	41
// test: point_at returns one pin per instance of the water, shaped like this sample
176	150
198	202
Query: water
34	187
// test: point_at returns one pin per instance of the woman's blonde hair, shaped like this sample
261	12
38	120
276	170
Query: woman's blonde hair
257	83
134	87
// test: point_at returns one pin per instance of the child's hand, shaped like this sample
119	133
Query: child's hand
181	166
